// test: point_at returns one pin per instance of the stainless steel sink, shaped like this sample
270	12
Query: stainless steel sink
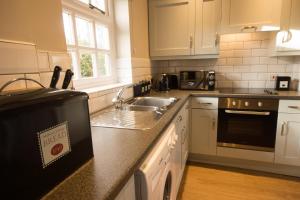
160	102
140	113
140	108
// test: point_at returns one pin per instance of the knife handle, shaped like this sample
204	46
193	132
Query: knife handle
55	76
67	79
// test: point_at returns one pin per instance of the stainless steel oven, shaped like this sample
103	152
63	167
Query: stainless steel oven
247	123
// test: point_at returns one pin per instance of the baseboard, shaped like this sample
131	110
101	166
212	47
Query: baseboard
246	164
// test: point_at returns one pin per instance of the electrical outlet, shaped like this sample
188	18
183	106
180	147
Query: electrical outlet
273	77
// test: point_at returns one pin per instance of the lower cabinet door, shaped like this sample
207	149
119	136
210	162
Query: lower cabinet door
204	131
287	148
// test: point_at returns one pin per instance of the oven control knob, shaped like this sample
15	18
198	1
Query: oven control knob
260	104
246	103
233	103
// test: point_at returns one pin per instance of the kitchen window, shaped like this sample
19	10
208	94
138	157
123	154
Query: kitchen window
88	27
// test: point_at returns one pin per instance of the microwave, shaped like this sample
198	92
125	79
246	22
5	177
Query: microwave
197	80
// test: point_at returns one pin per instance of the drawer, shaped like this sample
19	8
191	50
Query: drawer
289	106
205	102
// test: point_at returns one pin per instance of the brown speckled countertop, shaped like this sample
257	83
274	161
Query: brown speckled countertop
119	152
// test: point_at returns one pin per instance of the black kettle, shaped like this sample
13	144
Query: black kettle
163	84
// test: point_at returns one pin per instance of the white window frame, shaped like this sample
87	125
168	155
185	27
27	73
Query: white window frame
77	8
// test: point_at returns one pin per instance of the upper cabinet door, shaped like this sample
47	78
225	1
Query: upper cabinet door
171	26
250	15
207	24
287	40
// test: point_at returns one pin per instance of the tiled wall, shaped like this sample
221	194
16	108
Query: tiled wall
243	63
21	60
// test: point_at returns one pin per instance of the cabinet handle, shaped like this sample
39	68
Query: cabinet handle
283	128
294	107
214	124
288	37
205	104
217	40
249	27
191	42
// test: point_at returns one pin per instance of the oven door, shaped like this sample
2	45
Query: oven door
245	129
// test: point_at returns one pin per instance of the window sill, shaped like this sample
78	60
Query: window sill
103	90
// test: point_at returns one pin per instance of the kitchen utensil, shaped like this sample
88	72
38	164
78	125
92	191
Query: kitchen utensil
55	76
67	79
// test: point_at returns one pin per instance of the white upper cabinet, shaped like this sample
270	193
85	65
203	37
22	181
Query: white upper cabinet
208	16
250	15
171	26
287	41
184	28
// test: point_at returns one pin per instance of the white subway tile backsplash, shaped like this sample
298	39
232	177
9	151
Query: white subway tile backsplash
259	52
234	76
242	53
270	84
259	68
226	53
263	76
225	69
268	60
224	84
241	68
252	44
240	84
30	84
286	60
235	45
257	84
234	61
249	76
243	37
251	60
276	68
18	85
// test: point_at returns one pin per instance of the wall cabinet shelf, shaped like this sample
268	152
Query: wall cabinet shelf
183	29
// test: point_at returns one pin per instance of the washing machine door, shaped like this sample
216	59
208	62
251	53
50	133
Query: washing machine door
168	183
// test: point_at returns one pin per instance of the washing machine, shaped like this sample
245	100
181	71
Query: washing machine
155	179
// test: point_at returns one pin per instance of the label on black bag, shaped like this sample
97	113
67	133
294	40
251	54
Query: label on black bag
54	143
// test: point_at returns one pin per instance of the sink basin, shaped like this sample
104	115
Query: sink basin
141	108
141	113
160	102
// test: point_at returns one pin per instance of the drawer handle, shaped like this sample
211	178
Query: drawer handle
283	128
294	107
205	104
213	124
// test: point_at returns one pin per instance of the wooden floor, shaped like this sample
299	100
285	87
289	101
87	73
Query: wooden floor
208	182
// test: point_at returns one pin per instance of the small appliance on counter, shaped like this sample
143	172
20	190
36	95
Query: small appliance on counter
173	81
197	80
283	83
163	84
45	136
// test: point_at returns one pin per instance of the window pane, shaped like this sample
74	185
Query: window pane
102	36
68	27
86	65
74	64
103	66
99	4
84	32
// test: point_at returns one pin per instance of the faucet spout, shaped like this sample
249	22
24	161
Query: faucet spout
119	100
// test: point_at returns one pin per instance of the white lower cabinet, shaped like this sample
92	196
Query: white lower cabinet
287	148
204	128
128	191
181	147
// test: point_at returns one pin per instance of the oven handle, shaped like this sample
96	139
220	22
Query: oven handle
244	112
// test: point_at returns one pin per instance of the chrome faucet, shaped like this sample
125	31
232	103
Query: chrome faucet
119	100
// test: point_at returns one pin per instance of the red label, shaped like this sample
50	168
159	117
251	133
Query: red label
56	149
